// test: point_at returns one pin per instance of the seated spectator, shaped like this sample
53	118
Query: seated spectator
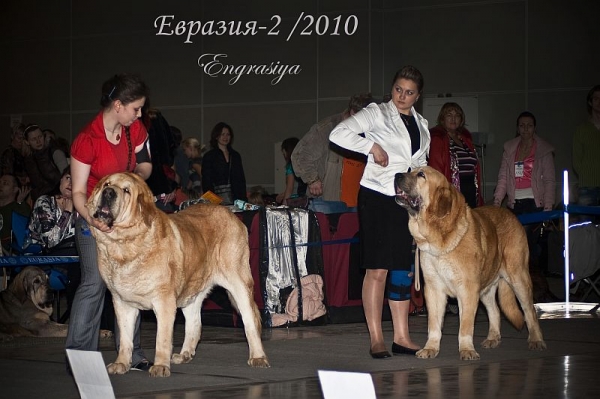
52	225
52	222
61	143
44	163
180	161
222	169
12	160
12	198
294	186
193	151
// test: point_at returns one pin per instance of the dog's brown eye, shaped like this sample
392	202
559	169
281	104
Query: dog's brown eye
126	189
421	174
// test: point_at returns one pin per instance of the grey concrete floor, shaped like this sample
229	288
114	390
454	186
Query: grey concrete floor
35	367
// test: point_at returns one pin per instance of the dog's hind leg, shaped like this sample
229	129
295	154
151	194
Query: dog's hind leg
193	330
521	284
240	288
488	298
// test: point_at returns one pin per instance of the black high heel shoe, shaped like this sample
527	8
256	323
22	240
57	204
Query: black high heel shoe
402	350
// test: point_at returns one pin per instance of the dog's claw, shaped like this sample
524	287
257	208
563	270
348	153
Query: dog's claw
117	368
260	362
490	343
181	358
160	371
427	353
469	355
537	345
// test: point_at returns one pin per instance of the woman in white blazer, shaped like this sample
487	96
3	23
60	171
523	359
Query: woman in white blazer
396	138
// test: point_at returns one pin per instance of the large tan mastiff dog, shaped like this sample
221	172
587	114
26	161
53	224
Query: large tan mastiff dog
470	254
151	260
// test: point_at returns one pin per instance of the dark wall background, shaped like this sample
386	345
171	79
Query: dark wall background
539	55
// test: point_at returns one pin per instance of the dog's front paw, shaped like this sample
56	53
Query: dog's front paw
427	353
117	368
160	371
105	334
259	362
537	345
181	358
490	343
469	354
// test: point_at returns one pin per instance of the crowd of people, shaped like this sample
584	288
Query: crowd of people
350	157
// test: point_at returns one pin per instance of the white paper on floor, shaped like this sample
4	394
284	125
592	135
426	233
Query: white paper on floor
346	385
90	374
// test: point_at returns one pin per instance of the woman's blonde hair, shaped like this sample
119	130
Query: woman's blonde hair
192	142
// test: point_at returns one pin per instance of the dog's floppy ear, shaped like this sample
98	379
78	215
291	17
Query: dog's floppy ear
20	286
441	202
145	201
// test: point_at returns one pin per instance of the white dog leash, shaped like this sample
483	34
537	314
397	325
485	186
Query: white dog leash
417	271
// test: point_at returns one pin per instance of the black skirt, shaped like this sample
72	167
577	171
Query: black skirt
385	240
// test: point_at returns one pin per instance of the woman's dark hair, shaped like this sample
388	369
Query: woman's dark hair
411	73
589	98
32	127
526	114
124	87
56	189
216	132
288	146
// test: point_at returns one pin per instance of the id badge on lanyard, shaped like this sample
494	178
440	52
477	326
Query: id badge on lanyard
519	169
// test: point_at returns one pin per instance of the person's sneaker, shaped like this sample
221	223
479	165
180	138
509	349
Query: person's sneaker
143	365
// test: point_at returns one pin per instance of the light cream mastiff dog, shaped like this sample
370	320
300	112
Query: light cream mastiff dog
151	260
470	254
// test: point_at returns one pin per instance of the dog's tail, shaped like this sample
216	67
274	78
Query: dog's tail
509	306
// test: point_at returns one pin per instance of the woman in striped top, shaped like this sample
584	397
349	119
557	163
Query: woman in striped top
452	152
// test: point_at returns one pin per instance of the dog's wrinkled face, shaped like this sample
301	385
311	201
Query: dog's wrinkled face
409	190
424	189
32	283
115	198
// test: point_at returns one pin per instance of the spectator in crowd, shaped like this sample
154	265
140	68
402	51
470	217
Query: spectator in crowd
12	199
452	153
395	139
52	225
12	160
114	141
193	151
527	176
44	163
222	169
180	161
162	179
320	163
586	157
61	143
294	186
